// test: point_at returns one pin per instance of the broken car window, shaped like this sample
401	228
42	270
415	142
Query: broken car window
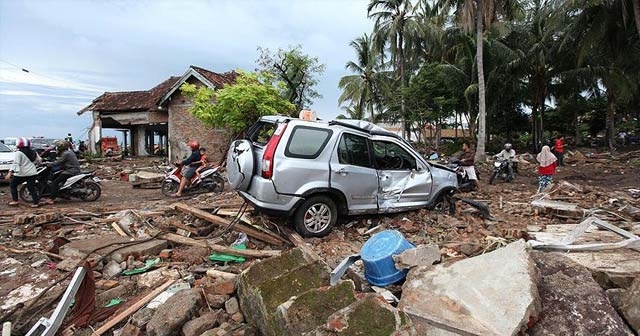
354	150
390	156
261	132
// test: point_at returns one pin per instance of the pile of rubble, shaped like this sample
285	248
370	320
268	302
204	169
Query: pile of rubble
214	267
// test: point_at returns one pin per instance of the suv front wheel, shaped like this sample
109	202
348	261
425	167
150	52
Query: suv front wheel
316	216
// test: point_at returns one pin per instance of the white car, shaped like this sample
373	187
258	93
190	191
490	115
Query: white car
6	159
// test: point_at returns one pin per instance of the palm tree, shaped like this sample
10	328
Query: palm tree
394	22
607	52
362	88
479	14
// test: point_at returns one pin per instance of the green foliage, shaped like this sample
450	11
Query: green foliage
237	106
295	72
430	96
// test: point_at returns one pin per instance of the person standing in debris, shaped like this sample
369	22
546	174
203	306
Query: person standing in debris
467	161
189	166
67	162
24	170
546	168
558	148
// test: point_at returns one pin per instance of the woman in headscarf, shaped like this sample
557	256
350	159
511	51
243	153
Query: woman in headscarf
546	167
24	170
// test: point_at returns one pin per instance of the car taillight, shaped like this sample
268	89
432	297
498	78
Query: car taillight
270	151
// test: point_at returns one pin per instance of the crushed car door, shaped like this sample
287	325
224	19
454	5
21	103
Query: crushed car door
404	182
353	174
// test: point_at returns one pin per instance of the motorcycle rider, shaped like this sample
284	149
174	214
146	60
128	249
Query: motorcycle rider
68	163
508	154
189	166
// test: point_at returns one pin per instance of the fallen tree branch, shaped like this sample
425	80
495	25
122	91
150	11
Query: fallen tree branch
26	251
178	239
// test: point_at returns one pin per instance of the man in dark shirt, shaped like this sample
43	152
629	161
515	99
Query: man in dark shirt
189	166
68	163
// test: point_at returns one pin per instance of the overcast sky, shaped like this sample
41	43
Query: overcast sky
75	50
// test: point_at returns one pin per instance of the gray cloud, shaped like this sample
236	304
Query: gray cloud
76	49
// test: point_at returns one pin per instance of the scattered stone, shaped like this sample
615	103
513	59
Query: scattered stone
111	270
201	324
174	313
231	306
79	248
573	303
423	255
107	284
238	317
631	305
470	249
130	330
311	309
217	301
113	293
492	294
224	287
152	278
142	317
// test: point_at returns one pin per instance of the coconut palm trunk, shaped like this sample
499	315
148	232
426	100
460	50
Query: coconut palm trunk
636	14
482	112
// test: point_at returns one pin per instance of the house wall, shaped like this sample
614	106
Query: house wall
184	126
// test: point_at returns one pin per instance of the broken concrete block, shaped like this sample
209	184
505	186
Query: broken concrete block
217	301
79	248
371	315
231	306
130	330
153	278
173	314
424	255
492	294
271	282
142	317
311	309
111	270
201	324
630	305
611	269
573	303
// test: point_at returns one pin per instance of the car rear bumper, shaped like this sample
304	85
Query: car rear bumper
285	205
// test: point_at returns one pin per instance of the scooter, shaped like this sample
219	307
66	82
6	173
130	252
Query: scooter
85	186
501	169
207	179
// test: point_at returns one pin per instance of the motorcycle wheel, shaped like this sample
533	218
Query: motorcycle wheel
493	177
169	187
218	184
94	191
24	193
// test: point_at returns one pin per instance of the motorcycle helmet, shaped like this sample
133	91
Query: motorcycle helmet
23	143
194	145
507	146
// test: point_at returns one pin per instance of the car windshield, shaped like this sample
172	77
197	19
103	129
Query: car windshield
4	148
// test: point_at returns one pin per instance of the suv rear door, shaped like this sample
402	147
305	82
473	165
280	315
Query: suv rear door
352	173
404	181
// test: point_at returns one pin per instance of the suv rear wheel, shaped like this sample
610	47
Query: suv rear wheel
316	216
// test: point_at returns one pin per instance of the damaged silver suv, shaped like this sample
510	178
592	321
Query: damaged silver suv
315	171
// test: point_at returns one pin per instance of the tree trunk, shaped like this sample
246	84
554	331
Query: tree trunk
611	114
482	113
577	129
405	123
636	14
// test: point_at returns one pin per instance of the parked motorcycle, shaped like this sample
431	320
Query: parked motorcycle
501	169
208	179
464	184
85	186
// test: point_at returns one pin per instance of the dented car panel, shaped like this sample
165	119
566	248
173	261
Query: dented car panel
321	168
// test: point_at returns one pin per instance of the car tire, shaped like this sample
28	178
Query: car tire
316	216
446	205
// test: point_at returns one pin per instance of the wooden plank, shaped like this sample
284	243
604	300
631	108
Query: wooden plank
29	251
178	239
252	232
119	230
129	311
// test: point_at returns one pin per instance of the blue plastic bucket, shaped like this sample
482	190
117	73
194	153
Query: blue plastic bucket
377	252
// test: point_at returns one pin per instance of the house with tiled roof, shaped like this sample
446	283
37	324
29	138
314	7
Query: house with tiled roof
160	113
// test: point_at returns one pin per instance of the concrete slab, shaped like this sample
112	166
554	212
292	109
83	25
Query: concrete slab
492	294
106	244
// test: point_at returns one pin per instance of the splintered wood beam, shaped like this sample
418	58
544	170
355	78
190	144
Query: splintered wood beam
178	239
271	238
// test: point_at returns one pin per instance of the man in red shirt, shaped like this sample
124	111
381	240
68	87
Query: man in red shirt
558	149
